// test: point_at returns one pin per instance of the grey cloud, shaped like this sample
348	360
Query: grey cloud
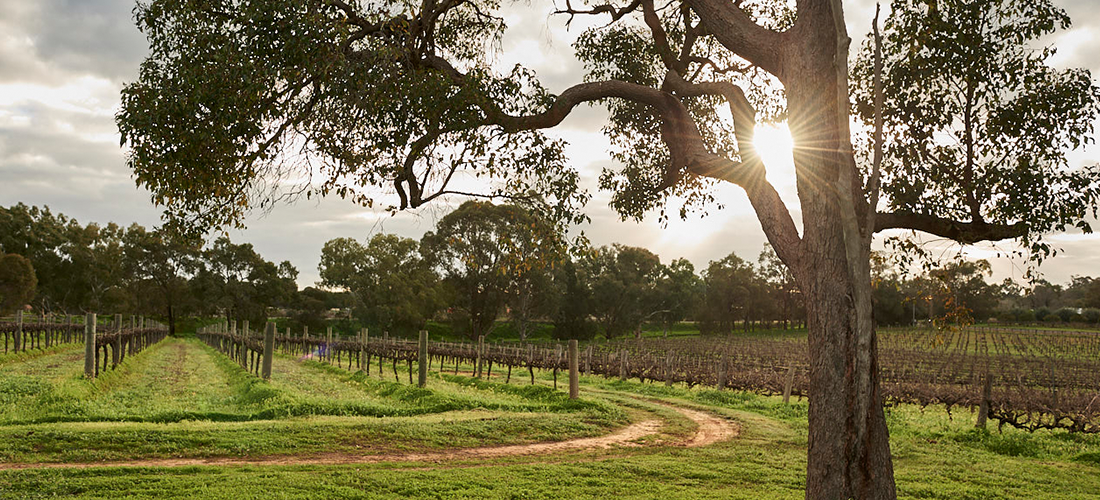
21	146
73	37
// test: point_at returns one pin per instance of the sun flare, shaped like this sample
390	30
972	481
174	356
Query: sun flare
775	146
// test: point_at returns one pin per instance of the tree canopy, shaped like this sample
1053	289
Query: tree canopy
487	252
396	288
17	282
978	123
237	97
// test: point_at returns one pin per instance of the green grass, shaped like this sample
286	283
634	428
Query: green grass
182	398
935	457
170	381
15	357
99	441
936	454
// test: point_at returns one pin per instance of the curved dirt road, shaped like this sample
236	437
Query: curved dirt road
711	429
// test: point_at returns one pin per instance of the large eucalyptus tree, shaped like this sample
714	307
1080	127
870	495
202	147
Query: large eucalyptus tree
239	95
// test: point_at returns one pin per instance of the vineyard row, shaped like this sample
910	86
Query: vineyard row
1023	379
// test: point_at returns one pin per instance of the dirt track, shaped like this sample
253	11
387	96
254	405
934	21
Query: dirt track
711	429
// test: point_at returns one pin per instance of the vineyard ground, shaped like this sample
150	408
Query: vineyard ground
936	455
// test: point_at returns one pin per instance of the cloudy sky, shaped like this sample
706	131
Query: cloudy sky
63	62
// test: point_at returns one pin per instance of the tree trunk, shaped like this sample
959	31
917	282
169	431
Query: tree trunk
849	450
171	321
841	464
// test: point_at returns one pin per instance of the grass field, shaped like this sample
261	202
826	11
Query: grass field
308	409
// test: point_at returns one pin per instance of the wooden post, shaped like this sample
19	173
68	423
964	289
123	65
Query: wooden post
89	346
362	349
788	384
269	349
983	407
530	362
622	364
668	369
18	330
385	343
574	376
328	345
117	343
422	359
243	348
722	371
480	349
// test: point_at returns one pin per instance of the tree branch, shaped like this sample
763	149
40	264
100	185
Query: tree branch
876	160
750	173
681	134
660	38
963	232
735	30
615	14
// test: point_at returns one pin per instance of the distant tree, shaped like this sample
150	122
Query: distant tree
730	285
782	286
165	260
677	293
240	284
17	282
394	286
964	292
573	317
97	271
39	235
533	253
309	307
1043	294
1091	296
483	251
624	284
891	304
1092	315
1078	291
1067	315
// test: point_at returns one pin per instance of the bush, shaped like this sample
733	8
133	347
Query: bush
1026	316
1066	314
1042	313
1092	315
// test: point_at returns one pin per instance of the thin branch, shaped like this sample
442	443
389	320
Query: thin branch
615	14
876	161
660	38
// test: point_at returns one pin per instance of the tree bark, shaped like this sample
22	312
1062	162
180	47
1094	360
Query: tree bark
171	321
849	451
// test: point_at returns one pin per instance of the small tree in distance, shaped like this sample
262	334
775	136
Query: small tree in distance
395	287
17	282
488	252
